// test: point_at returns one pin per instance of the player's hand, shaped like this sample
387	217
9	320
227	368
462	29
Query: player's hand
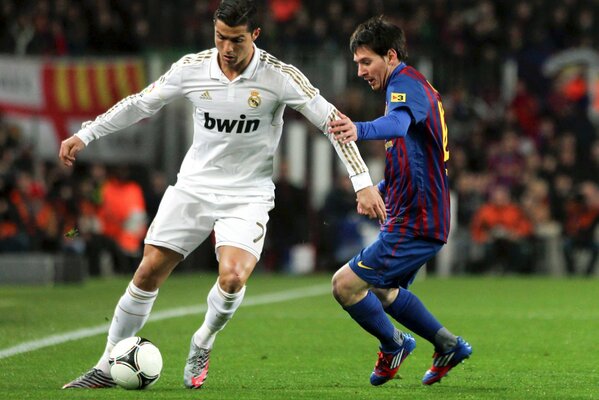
69	149
371	203
343	129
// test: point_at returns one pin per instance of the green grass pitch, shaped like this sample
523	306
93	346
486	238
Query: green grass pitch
533	338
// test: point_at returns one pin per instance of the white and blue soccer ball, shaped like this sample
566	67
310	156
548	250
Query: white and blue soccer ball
135	363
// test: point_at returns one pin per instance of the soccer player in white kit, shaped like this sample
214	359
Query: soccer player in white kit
239	93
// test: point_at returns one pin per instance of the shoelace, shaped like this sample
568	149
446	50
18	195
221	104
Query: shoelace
198	361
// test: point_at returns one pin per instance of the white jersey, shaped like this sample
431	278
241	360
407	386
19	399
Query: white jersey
237	124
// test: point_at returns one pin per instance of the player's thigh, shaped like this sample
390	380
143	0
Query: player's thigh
241	223
183	221
393	260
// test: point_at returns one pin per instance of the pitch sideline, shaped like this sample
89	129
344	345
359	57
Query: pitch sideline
257	300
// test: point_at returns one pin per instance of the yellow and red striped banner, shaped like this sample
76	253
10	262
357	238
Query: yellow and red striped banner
60	91
90	87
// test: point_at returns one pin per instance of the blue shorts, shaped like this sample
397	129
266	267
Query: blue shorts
393	260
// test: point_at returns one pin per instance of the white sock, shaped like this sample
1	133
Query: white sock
221	307
130	315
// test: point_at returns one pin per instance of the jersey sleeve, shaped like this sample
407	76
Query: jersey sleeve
300	95
135	107
406	93
393	125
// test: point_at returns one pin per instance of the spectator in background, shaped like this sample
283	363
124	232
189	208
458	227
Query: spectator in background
525	107
122	216
338	233
567	160
507	161
153	192
13	237
504	231
27	197
112	218
88	223
592	172
76	30
582	218
470	189
288	223
562	187
283	11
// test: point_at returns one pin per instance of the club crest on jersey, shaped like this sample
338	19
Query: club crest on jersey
254	100
398	97
241	125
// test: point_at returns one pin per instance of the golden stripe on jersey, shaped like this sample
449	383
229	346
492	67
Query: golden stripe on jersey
185	60
290	70
350	151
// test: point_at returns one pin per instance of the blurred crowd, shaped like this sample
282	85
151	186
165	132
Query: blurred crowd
523	167
91	210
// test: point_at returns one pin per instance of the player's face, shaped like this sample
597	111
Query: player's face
373	68
234	45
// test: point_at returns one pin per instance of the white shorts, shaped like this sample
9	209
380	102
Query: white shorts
184	220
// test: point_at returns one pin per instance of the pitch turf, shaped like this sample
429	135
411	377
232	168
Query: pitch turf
534	338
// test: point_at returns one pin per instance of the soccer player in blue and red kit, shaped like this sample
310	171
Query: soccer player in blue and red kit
375	282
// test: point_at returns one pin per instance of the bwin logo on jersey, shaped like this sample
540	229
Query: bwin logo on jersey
231	125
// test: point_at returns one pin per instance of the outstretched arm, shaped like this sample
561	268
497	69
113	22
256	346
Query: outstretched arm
306	99
124	113
393	125
369	200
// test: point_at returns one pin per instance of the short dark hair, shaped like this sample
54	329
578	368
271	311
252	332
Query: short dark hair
380	36
237	12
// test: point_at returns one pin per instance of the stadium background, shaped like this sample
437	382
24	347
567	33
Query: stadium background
519	80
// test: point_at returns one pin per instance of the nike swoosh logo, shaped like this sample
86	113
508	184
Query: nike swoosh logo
361	265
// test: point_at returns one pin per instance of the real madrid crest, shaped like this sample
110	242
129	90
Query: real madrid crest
254	100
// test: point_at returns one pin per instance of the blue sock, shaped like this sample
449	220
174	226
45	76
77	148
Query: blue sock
409	311
370	315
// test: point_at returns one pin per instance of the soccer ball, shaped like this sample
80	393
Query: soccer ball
135	363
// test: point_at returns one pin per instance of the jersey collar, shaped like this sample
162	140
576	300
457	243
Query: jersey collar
395	72
217	73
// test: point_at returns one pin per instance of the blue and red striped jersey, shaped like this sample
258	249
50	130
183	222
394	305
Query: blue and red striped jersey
415	187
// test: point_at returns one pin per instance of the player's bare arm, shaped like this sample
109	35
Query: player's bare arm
343	129
371	203
69	149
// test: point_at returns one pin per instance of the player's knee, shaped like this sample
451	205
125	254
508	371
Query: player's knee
231	282
341	289
348	288
232	277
